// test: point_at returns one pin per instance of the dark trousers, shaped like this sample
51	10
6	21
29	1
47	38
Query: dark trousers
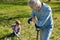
11	35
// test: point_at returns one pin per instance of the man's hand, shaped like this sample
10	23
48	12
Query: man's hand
34	20
37	26
29	20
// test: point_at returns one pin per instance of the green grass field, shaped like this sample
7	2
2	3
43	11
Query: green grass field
10	12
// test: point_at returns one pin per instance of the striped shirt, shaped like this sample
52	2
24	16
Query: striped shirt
16	29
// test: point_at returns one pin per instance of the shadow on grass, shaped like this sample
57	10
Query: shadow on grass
24	15
2	38
56	9
57	2
7	36
15	3
5	18
19	16
26	3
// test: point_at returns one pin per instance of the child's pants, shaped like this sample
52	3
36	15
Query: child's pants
18	37
12	35
45	33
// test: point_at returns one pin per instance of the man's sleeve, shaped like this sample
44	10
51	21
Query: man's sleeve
45	18
33	14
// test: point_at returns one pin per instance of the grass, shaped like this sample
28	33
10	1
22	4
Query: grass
10	12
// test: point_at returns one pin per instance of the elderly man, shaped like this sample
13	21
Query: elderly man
44	21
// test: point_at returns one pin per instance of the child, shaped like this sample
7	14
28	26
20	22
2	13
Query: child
44	21
16	29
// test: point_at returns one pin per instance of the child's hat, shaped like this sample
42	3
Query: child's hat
18	22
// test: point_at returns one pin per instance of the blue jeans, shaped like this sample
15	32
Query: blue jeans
45	33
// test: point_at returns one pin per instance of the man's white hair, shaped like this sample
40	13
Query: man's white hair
34	3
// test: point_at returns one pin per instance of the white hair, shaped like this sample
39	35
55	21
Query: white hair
34	3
